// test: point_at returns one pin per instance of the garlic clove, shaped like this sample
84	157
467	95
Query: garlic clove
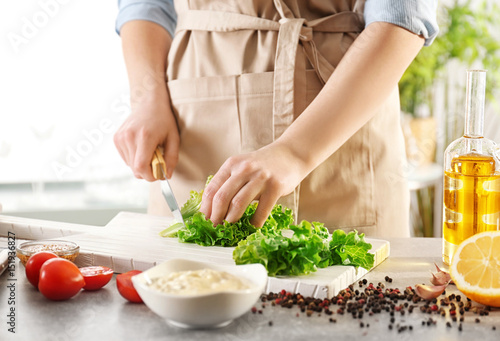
428	292
441	277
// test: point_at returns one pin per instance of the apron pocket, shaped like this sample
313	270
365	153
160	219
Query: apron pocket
206	110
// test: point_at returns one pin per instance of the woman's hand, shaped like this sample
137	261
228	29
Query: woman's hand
151	124
264	175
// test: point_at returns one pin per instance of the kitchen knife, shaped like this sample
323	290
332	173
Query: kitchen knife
159	172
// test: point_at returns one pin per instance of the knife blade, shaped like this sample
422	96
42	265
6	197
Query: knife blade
159	172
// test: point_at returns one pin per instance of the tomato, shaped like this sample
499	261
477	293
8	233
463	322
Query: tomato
60	279
126	287
96	276
35	263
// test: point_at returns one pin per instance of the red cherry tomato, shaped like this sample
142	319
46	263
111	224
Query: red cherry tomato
35	263
96	277
126	287
60	279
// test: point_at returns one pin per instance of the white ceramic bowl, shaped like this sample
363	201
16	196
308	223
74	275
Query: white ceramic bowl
201	311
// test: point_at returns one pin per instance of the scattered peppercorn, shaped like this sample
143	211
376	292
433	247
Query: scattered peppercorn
375	300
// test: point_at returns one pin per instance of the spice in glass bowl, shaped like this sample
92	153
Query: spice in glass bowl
62	248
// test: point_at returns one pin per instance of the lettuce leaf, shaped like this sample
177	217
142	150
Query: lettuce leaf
295	255
308	249
305	251
202	231
349	249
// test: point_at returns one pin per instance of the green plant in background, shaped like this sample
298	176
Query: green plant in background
467	34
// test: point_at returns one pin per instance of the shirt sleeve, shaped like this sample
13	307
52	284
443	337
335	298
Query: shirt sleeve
417	16
161	12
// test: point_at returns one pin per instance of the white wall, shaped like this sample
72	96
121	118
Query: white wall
63	90
63	94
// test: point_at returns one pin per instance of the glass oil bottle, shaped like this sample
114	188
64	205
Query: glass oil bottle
471	175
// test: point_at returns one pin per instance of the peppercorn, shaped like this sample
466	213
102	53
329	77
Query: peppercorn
270	323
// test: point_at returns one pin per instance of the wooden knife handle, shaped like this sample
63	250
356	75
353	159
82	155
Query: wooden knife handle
158	163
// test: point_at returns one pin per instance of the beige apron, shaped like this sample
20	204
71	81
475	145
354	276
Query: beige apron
239	73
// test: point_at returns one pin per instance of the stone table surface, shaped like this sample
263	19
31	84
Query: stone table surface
105	315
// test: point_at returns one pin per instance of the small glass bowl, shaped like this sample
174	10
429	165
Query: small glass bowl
62	248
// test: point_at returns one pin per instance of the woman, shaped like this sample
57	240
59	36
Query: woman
287	100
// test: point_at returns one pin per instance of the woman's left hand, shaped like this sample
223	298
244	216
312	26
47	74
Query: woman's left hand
264	175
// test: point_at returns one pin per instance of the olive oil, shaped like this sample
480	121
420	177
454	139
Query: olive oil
471	196
471	200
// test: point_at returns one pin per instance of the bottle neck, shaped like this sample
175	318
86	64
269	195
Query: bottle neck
474	103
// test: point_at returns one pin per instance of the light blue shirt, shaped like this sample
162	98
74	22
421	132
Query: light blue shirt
417	16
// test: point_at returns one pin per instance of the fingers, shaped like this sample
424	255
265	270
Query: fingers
211	190
266	204
233	188
122	140
138	137
143	157
232	199
171	153
241	200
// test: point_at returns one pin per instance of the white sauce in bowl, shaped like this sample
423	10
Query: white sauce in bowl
197	282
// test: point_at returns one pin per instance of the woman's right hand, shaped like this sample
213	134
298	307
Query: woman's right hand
151	124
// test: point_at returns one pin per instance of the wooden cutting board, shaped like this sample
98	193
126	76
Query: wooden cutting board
131	241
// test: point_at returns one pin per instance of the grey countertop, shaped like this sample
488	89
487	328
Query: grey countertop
105	315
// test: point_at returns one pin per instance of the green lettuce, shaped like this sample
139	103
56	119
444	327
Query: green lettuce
200	230
188	210
305	251
295	255
349	249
